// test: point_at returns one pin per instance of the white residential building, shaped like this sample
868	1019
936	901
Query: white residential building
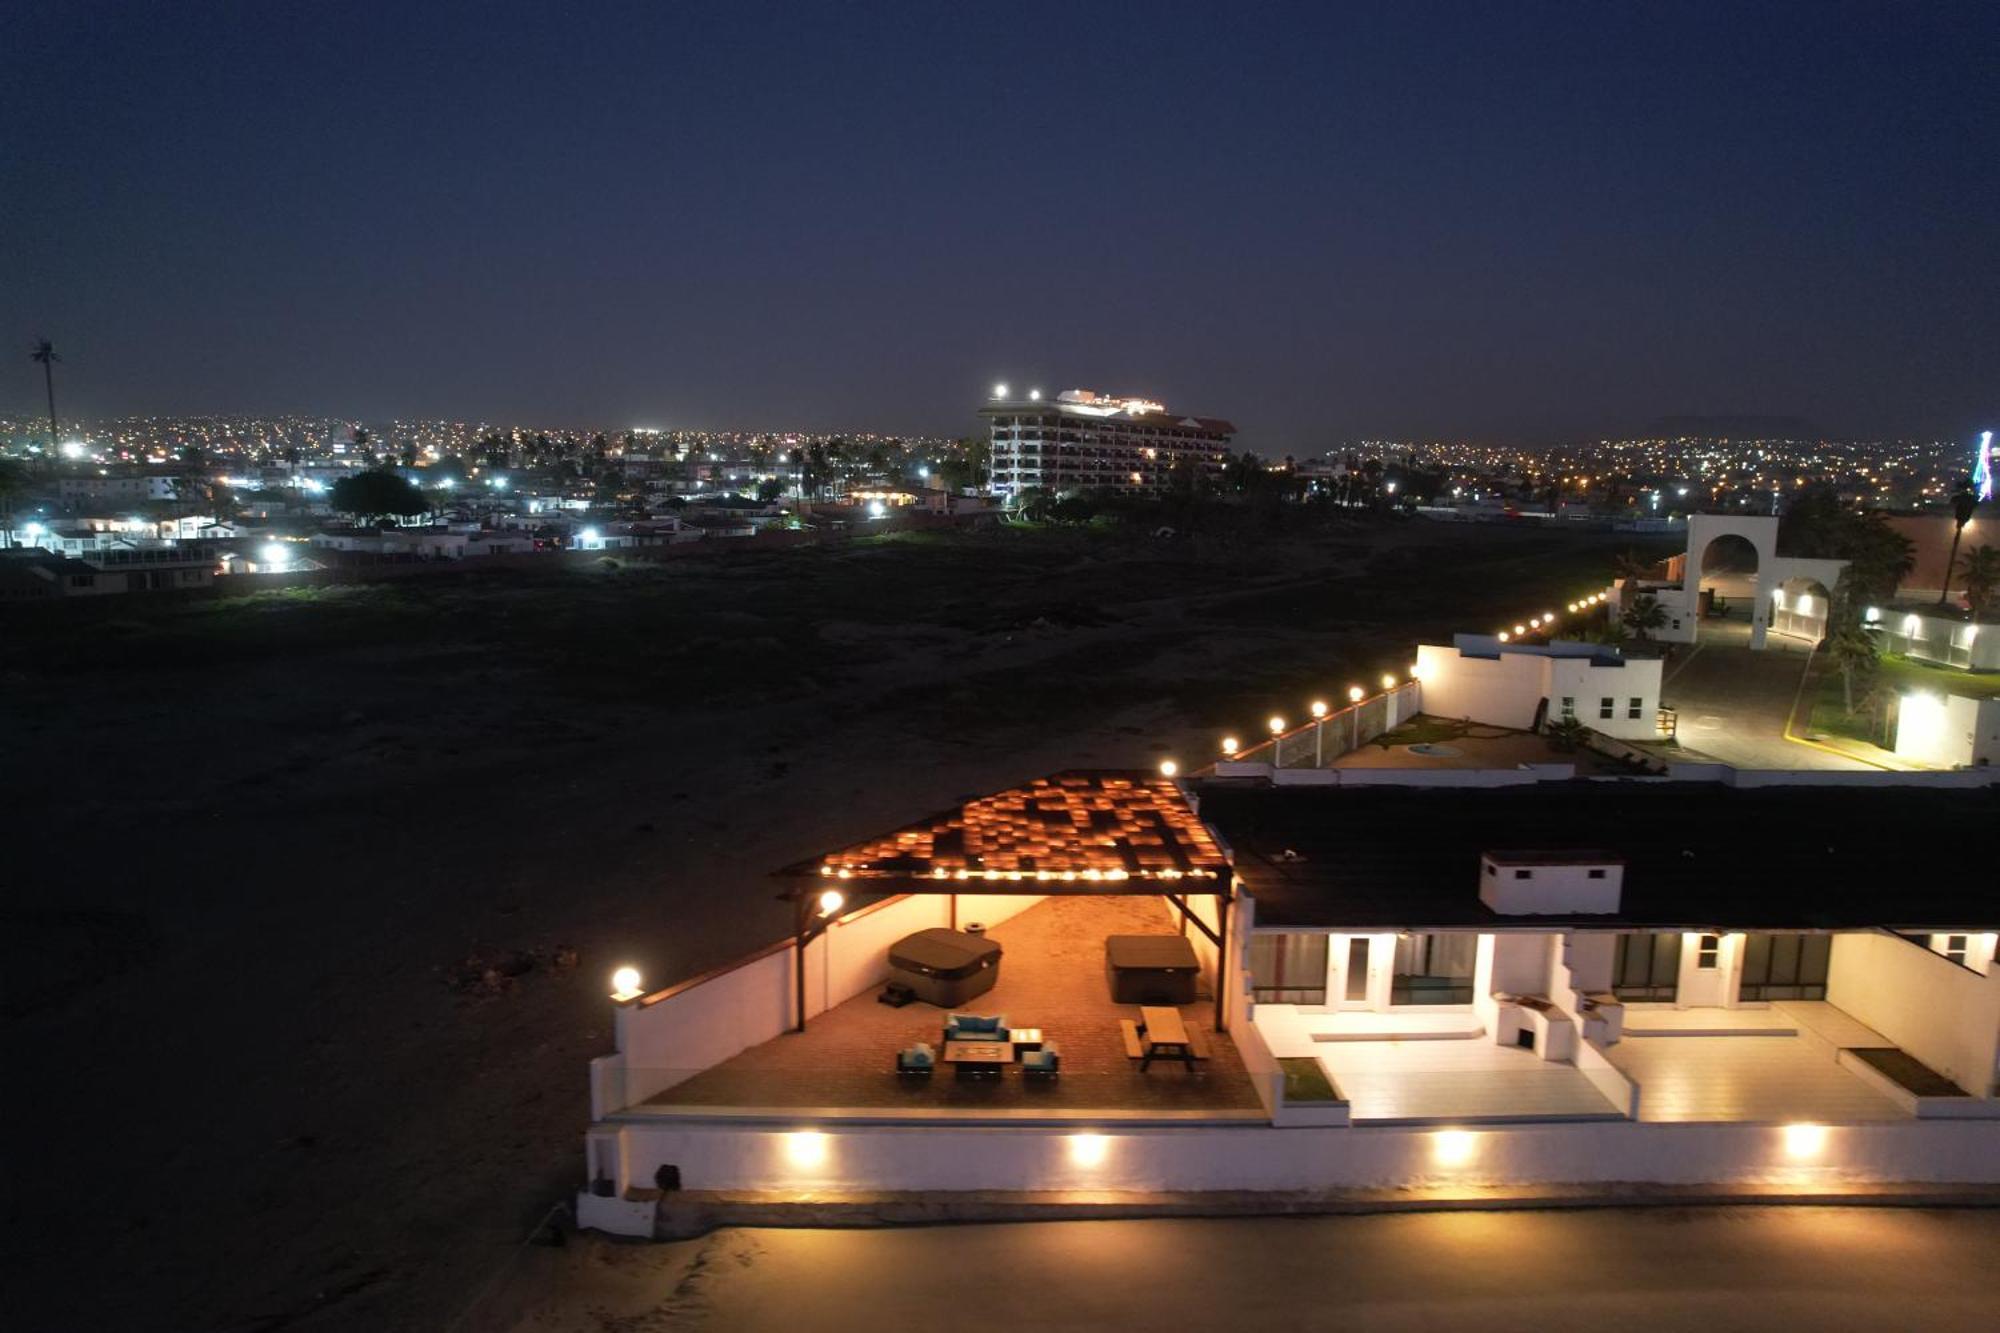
1525	685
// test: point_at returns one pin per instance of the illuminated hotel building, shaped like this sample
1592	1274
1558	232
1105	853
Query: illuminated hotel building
1082	440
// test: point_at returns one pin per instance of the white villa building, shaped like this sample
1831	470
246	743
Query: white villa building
1406	980
1524	685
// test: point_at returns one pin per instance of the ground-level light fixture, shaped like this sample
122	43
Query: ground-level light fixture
1319	708
625	984
831	902
1168	768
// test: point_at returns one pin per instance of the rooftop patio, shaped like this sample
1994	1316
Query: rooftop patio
1051	977
1775	1064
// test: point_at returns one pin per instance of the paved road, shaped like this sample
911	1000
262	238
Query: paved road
1703	1270
1733	702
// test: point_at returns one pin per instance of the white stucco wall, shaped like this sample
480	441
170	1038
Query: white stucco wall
851	1156
1953	732
1507	690
1945	1015
1548	889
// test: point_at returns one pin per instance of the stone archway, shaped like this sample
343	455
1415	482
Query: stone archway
1706	539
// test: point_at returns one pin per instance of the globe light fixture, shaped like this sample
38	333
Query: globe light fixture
1388	680
1229	745
830	902
1277	726
1354	693
625	984
1319	708
1168	768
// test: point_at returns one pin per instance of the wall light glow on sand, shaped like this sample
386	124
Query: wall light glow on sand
1454	1147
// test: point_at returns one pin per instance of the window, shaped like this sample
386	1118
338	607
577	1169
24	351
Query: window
1434	969
1634	707
1490	870
1524	874
1707	950
1288	968
1956	947
1569	708
1596	872
1607	706
1647	967
1785	967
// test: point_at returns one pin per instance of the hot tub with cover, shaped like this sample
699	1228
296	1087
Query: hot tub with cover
945	967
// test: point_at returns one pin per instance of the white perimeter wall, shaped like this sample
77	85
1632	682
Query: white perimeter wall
1945	1015
714	1156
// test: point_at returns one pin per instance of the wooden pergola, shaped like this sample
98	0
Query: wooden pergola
1081	831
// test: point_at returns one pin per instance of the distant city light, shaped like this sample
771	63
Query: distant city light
72	448
877	509
1034	395
589	536
275	554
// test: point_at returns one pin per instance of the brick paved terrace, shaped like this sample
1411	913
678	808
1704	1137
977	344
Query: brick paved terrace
1051	977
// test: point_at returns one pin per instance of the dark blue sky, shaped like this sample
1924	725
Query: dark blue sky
1499	220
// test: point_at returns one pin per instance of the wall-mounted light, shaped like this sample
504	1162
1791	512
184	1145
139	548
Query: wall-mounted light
1804	1142
805	1148
1088	1149
1454	1147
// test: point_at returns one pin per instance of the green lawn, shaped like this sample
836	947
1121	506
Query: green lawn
1306	1080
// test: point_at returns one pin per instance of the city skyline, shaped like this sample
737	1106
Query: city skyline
1432	224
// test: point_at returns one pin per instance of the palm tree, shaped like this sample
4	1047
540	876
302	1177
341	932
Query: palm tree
1631	565
1853	652
44	352
1645	614
1980	568
1964	500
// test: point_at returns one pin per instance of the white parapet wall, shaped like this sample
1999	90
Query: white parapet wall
810	1158
1943	1014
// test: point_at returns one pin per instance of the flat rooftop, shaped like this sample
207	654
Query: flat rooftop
1697	855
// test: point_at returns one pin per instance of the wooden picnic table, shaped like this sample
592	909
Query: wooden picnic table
1163	1034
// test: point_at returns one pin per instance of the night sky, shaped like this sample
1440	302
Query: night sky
1496	221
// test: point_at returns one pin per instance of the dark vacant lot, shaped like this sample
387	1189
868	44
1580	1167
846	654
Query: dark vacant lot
311	896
